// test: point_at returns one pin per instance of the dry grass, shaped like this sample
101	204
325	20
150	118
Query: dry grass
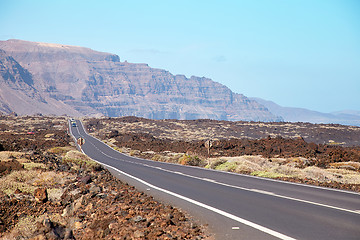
229	166
60	150
25	227
9	155
191	160
32	165
25	124
267	174
281	167
28	180
346	165
18	180
51	179
79	160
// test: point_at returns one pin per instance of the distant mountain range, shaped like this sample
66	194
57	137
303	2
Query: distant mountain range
289	114
58	79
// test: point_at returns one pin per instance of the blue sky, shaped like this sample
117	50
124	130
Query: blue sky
297	53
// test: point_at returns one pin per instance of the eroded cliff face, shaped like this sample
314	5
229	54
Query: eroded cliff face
94	83
18	94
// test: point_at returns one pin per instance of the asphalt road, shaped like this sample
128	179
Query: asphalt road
237	206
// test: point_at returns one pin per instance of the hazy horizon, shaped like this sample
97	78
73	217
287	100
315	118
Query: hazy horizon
302	54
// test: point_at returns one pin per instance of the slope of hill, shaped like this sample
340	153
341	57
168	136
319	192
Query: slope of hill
290	114
88	82
18	94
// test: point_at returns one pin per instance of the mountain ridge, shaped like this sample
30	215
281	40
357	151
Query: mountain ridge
82	81
292	114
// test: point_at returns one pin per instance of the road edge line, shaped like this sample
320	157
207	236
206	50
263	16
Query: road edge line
232	173
223	213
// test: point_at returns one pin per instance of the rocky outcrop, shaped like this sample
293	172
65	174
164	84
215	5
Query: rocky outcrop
19	91
91	83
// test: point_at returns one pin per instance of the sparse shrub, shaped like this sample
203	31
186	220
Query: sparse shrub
28	180
25	227
32	165
346	165
286	170
80	160
246	166
191	160
118	149
267	174
18	180
59	150
134	152
318	174
217	162
158	158
48	179
5	155
229	166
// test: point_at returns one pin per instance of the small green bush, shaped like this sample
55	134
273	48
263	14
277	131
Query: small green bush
266	174
217	162
227	166
80	160
191	161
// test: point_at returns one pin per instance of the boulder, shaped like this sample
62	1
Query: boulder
41	195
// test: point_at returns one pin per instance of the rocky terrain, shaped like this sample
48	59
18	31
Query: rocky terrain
325	155
49	190
205	129
44	75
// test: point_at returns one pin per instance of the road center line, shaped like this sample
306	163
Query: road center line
223	213
259	191
256	190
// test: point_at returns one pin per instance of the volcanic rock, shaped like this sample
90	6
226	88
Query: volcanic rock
41	195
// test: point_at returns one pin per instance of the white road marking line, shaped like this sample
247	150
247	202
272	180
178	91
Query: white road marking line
223	213
238	174
235	228
237	187
262	191
209	180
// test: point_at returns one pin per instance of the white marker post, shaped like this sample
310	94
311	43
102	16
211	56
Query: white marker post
80	141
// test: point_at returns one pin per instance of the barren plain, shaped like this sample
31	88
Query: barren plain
319	154
49	190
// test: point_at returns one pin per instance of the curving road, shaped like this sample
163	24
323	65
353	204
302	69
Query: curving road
236	206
